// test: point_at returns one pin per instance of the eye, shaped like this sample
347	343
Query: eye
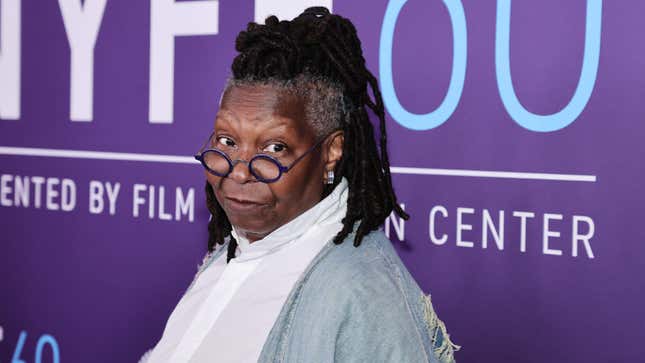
274	148
225	141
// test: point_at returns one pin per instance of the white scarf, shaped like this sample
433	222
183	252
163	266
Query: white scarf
228	313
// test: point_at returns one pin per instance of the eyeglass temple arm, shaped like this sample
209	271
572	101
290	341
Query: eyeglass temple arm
198	155
287	168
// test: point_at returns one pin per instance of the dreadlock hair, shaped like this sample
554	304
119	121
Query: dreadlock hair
318	56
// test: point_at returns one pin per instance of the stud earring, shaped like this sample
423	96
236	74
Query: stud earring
330	177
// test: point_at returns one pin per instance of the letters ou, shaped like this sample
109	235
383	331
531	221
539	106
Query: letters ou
167	20
449	104
561	119
10	59
523	117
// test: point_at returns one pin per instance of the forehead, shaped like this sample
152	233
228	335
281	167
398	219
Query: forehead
263	106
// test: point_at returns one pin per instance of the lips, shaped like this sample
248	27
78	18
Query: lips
242	205
244	201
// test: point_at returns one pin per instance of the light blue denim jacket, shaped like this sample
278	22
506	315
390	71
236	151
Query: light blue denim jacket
355	304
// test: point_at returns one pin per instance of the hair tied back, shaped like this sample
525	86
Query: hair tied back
317	11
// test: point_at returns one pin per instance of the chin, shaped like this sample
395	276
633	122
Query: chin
253	224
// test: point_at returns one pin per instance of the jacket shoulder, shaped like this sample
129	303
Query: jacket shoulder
373	281
374	259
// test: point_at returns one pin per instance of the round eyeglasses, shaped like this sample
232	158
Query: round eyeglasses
263	167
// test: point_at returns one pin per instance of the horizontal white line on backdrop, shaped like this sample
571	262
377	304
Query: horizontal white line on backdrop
494	174
104	155
87	154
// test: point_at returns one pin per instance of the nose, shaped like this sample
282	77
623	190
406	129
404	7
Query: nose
241	173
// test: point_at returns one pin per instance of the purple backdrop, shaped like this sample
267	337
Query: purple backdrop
541	265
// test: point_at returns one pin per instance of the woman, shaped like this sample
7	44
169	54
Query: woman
297	189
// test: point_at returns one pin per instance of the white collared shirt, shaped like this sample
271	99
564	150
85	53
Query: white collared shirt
230	310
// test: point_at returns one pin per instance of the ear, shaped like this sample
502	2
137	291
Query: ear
333	150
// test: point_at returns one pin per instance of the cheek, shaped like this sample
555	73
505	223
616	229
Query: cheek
212	180
299	190
214	184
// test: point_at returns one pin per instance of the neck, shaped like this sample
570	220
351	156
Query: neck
251	236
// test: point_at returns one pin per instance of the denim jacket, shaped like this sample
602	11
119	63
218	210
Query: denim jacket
354	304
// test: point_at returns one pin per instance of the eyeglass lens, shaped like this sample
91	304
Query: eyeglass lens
262	167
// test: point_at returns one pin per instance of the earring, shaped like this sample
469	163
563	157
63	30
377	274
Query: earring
330	177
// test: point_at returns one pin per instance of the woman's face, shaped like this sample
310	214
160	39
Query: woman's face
263	119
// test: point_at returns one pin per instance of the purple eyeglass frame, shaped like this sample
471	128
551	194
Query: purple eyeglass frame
231	163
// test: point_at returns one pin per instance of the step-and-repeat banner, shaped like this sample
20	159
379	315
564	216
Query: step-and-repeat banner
515	132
